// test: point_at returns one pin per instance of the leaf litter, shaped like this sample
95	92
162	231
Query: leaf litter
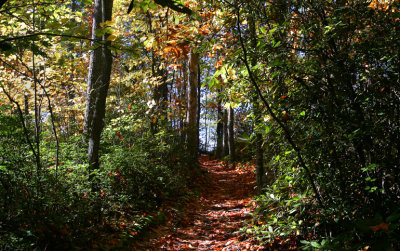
211	221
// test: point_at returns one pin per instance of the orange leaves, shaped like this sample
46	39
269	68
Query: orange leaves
218	64
212	105
221	209
383	226
119	135
175	51
171	51
380	4
204	30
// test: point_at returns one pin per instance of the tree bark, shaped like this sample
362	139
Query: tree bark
232	156
160	96
70	92
205	123
98	83
26	109
198	103
262	175
192	138
225	133
220	131
183	105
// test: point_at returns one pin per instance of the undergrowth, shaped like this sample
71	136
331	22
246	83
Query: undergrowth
51	207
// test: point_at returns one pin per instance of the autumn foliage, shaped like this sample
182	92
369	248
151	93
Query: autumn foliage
299	100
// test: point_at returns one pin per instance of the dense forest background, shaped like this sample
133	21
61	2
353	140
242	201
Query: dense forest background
105	107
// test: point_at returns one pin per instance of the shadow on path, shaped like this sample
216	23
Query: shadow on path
210	222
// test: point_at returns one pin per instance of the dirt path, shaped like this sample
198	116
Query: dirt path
210	222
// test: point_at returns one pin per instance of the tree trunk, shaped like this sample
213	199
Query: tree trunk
198	103
232	157
183	105
220	132
261	175
192	138
260	171
98	83
70	92
205	123
225	134
160	96
26	109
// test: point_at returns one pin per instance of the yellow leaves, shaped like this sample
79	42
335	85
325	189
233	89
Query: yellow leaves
267	118
234	105
111	37
217	47
218	13
64	20
142	39
150	43
107	23
232	74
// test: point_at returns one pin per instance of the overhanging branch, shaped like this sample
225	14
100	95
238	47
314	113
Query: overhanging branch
285	130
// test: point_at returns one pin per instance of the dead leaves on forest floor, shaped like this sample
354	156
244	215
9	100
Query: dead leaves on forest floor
211	221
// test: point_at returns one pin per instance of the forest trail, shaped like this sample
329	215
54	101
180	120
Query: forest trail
210	221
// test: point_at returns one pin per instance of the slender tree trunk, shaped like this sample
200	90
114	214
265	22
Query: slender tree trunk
26	109
231	142
23	122
37	114
225	135
220	131
198	103
98	83
262	175
193	140
260	170
205	123
160	96
160	92
183	104
70	92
